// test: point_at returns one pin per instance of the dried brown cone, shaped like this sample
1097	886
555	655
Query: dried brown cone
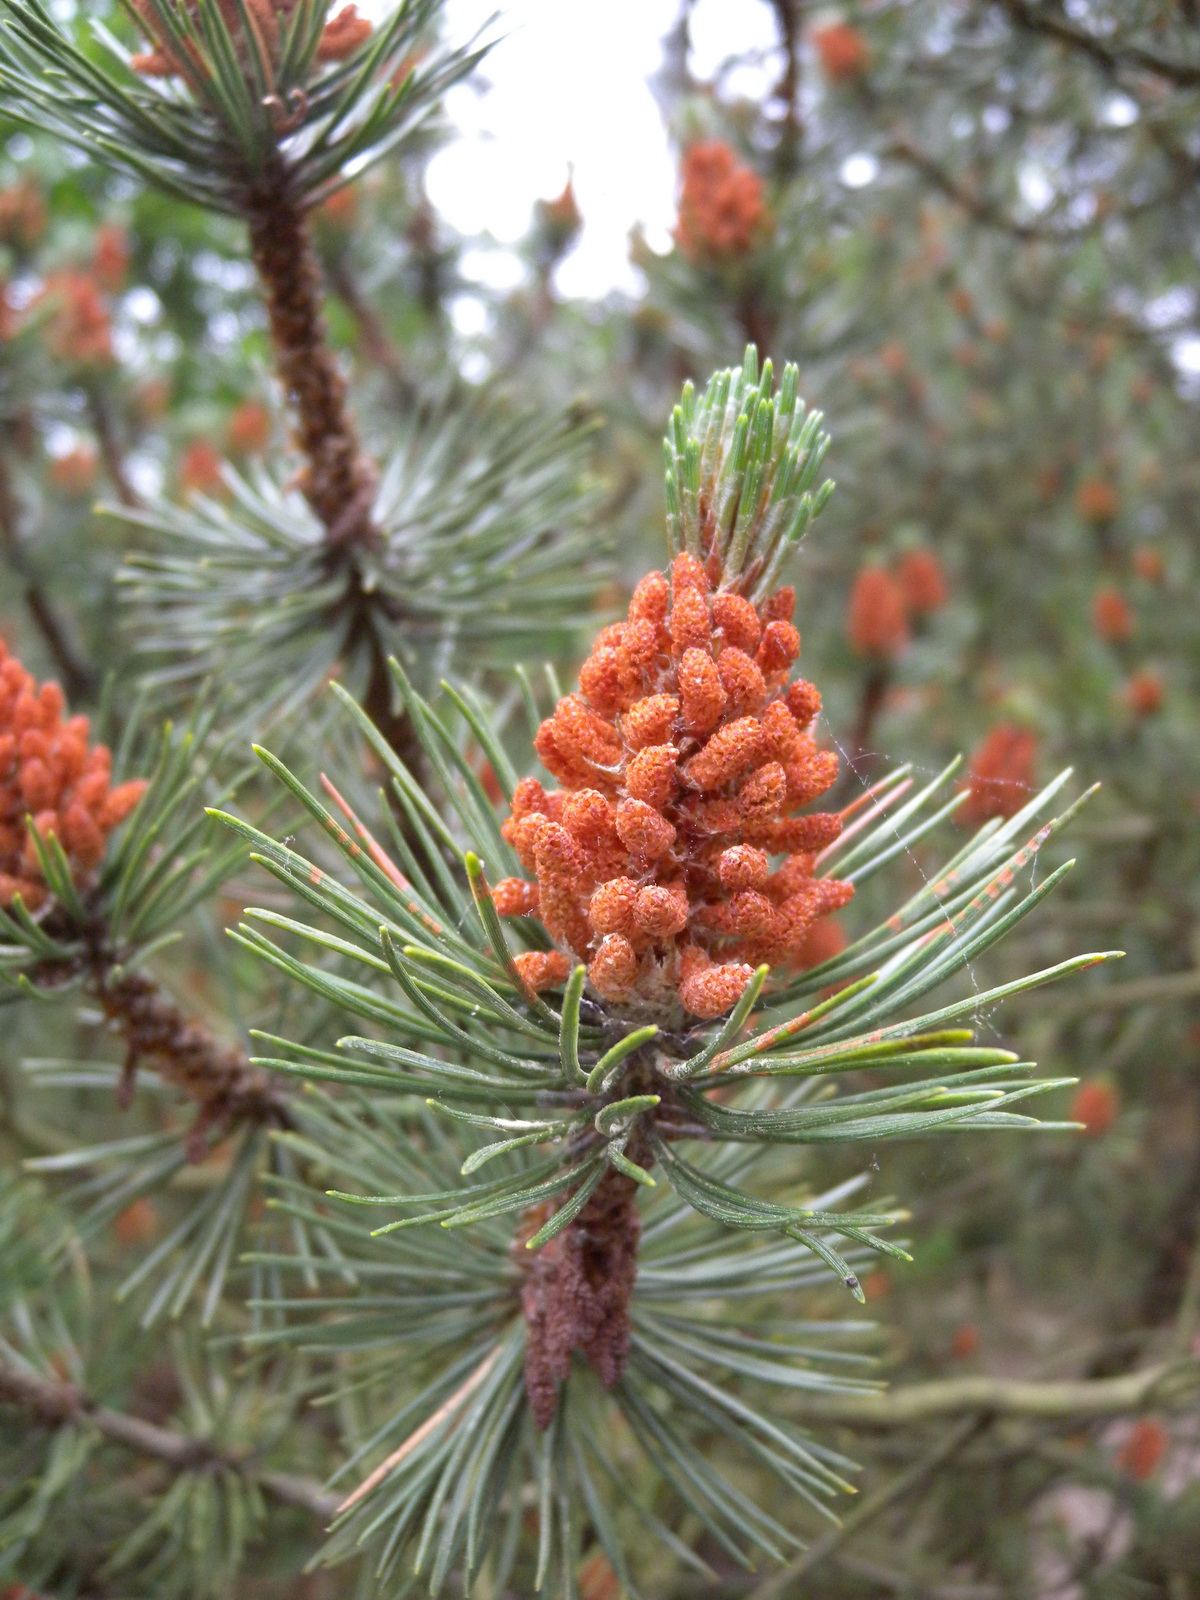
576	1292
672	860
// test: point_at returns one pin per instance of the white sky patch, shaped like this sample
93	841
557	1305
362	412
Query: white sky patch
566	88
1120	111
1036	189
744	29
858	170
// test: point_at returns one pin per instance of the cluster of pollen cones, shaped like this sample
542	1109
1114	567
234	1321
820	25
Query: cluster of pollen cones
340	37
722	212
671	861
49	772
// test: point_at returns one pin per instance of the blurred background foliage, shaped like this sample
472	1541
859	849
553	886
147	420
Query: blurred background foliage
976	229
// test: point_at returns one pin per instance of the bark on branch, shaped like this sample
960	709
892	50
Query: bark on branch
62	1405
1170	1385
1110	58
78	677
220	1081
339	477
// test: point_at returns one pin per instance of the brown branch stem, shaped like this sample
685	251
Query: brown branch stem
78	678
1169	1385
976	205
871	700
1110	58
379	698
788	17
780	1583
111	452
225	1088
339	478
577	1291
57	1405
373	338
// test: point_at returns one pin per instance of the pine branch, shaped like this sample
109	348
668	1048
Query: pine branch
374	341
111	453
78	677
278	107
487	550
872	699
1112	59
101	906
1171	1385
986	212
902	1583
339	479
223	1085
788	18
776	1586
977	206
626	1120
50	1404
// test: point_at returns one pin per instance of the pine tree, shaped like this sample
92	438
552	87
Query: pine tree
964	223
577	1020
